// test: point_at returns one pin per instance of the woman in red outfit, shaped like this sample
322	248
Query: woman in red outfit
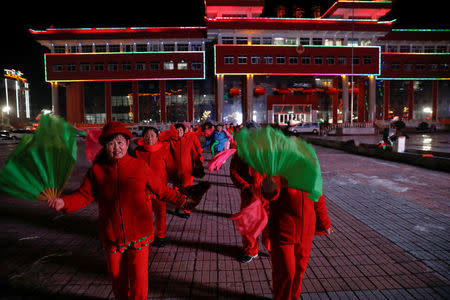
155	154
120	183
186	152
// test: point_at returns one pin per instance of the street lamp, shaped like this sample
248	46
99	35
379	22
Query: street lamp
5	109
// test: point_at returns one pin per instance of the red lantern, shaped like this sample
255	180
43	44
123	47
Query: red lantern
332	90
309	91
355	91
259	91
234	92
283	91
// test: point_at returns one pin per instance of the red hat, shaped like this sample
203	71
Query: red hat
114	127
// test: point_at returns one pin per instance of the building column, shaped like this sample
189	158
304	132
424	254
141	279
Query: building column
386	99
334	100
372	98
108	106
162	100
410	99
190	108
55	98
219	98
345	112
135	90
248	99
361	100
434	99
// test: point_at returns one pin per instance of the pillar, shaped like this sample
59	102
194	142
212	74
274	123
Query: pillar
135	90
361	100
410	99
108	106
190	110
219	98
386	99
435	96
162	100
345	114
55	98
334	100
372	98
248	99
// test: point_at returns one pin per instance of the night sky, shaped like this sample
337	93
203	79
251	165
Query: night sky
19	51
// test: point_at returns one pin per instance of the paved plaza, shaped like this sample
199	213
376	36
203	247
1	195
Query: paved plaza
390	241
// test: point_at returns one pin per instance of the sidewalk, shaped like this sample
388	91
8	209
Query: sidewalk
383	247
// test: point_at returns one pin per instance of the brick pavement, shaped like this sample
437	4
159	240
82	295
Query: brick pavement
383	247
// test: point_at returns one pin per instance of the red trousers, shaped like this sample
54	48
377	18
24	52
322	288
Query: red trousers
129	273
289	262
159	210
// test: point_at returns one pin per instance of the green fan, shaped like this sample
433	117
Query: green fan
41	164
271	153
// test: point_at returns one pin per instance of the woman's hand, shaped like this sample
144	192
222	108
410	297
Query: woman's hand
329	230
56	203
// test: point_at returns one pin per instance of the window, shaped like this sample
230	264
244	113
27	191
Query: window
405	48
395	66
112	66
407	67
256	40
227	40
126	66
114	48
85	67
441	49
278	41
429	49
140	66
128	48
99	67
73	49
304	41
317	41
291	41
366	43
420	67
57	68
169	47
141	48
342	60
255	60
306	60
197	65
352	42
267	41
154	65
168	65
155	47
318	60
330	60
367	60
182	47
268	60
444	67
241	40
329	42
293	60
100	48
86	48
417	49
71	67
281	60
196	47
242	59
432	67
182	65
59	49
228	59
339	42
392	49
355	60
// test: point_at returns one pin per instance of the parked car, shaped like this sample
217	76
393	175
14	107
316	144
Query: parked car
305	128
17	134
4	136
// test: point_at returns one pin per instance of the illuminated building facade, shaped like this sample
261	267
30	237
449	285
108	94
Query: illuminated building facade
345	65
15	98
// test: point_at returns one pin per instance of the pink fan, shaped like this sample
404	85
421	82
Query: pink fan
251	220
219	159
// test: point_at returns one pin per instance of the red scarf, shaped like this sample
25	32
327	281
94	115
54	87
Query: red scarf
149	148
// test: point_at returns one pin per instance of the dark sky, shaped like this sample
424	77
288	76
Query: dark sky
19	51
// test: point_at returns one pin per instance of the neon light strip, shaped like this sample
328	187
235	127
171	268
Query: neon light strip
124	53
292	19
6	90
17	99
27	103
412	78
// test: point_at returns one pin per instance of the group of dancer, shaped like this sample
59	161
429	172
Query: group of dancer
130	181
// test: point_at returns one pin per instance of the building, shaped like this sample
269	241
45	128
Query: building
344	65
15	99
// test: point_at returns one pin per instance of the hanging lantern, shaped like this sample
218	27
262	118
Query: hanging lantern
355	91
331	91
283	91
309	91
259	91
234	92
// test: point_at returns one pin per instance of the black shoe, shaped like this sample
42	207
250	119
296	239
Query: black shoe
182	215
160	242
247	258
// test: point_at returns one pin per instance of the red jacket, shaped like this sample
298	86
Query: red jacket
125	214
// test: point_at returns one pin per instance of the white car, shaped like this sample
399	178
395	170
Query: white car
17	134
305	128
